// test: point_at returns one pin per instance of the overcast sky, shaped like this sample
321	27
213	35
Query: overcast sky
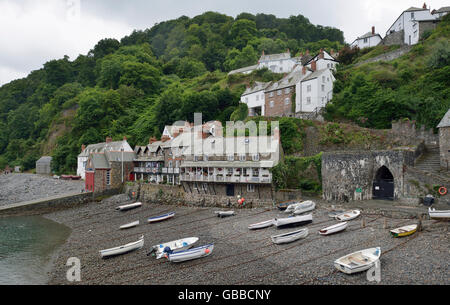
35	31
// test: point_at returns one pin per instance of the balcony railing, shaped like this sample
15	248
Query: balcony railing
147	170
230	179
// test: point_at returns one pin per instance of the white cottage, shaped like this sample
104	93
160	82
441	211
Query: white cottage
277	63
254	97
408	21
323	60
109	145
370	39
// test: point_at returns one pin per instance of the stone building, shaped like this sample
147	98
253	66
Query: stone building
43	166
444	141
108	170
279	95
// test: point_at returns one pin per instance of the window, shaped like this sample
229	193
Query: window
244	172
229	171
255	157
196	158
286	101
412	15
323	88
170	179
170	164
279	92
250	188
308	100
246	99
272	103
271	94
365	40
257	97
262	97
242	158
205	158
108	177
205	187
308	88
323	79
281	69
287	90
256	172
230	158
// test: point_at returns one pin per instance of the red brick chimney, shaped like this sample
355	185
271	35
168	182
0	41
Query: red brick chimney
313	65
152	140
424	5
108	139
165	138
304	70
124	138
321	54
263	53
83	147
373	30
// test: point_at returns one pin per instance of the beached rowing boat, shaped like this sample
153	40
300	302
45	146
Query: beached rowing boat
186	255
293	221
222	214
404	231
304	207
161	217
290	237
262	225
130	225
358	261
349	215
123	249
173	246
443	214
334	228
129	206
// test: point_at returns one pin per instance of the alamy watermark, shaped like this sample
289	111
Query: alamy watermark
374	273
73	274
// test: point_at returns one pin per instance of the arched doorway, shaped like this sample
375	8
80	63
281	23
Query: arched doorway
383	184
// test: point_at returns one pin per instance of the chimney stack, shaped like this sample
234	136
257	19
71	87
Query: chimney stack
83	147
304	70
152	140
321	54
124	138
307	52
165	138
373	30
424	5
108	139
263	53
313	65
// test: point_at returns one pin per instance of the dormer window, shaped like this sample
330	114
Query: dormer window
255	157
230	157
242	158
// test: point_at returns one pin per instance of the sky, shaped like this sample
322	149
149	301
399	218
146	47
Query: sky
33	32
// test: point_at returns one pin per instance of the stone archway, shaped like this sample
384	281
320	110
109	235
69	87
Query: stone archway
383	184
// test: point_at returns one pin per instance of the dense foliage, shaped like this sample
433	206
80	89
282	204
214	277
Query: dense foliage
135	86
414	86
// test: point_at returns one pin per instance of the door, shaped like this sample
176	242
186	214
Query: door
230	189
383	185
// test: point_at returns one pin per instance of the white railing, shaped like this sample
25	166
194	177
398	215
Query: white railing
230	179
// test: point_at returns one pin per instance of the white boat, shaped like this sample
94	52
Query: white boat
334	228
335	213
290	237
292	207
349	215
129	206
442	214
222	214
293	221
161	217
262	225
304	207
176	245
123	249
358	261
130	225
404	231
186	255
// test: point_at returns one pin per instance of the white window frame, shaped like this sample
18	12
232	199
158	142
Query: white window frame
308	100
250	188
230	157
255	157
308	88
271	104
242	158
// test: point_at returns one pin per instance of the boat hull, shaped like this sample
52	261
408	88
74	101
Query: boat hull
443	214
191	254
261	225
223	214
290	237
160	218
358	261
129	206
334	229
123	249
176	245
130	225
303	208
293	221
348	215
404	231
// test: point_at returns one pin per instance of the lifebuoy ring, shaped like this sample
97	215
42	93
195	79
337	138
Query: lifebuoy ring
442	191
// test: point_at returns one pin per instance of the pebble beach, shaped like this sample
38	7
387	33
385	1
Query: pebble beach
241	256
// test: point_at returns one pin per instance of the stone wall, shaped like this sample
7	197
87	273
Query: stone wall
444	145
396	38
176	195
280	108
387	56
406	133
418	184
348	176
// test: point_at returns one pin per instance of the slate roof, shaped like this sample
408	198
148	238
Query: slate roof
257	87
443	9
445	122
274	57
101	147
102	160
314	75
288	81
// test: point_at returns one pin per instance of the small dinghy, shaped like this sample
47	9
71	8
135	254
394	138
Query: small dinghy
443	214
130	225
291	207
129	206
173	246
290	237
358	261
293	221
304	207
334	228
262	225
282	206
222	214
123	249
335	213
161	217
404	231
349	215
186	255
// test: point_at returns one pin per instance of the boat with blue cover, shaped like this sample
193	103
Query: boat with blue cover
174	246
186	255
161	217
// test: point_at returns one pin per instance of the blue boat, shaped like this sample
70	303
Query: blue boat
181	256
161	217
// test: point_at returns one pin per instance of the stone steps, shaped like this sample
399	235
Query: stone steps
430	160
